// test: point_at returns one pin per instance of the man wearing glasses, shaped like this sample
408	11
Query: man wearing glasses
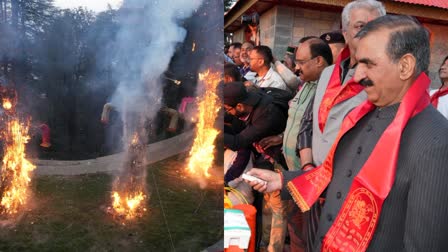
261	116
336	95
312	56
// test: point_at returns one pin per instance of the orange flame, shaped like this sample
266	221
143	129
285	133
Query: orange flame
127	202
7	104
15	173
202	152
128	205
194	46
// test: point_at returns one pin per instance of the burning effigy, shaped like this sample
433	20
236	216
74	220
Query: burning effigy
129	190
202	152
109	185
146	52
16	169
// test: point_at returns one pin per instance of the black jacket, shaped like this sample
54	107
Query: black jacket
266	119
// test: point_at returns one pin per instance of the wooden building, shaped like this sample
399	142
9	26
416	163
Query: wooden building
284	22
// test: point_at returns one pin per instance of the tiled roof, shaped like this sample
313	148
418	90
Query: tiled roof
435	3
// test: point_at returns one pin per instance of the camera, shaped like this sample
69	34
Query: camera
253	19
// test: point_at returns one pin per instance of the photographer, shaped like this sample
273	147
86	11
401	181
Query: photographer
251	33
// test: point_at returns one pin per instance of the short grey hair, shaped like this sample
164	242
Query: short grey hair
371	5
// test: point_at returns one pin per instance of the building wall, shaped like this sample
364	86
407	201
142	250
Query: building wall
268	27
307	22
293	23
439	50
238	36
282	26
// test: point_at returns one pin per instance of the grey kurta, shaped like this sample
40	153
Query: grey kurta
322	142
414	215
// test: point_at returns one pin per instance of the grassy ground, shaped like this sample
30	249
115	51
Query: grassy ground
66	214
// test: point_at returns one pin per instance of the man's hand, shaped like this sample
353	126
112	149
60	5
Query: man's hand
249	84
253	28
254	33
270	141
305	155
258	148
273	180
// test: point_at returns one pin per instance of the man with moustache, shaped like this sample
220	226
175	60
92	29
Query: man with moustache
385	176
336	95
260	62
244	57
285	73
337	92
312	56
236	54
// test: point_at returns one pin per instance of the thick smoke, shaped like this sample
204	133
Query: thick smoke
145	43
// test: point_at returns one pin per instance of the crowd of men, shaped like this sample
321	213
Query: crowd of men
358	158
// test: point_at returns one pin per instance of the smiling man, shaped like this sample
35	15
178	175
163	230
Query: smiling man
311	57
337	92
385	176
336	95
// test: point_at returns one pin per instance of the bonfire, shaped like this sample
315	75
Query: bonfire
202	152
16	169
128	195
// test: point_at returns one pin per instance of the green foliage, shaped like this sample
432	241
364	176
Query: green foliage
60	62
228	4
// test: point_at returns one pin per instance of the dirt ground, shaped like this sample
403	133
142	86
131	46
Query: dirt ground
67	213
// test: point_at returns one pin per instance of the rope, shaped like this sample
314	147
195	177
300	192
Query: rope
163	211
237	193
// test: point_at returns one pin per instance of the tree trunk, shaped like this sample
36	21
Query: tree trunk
15	47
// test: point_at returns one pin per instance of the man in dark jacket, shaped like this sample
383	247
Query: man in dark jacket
261	116
385	176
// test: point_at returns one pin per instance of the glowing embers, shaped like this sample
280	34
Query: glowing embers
202	152
15	171
6	104
128	206
129	194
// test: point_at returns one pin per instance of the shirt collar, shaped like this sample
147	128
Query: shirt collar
267	76
387	112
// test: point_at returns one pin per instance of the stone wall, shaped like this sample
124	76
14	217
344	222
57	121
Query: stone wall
439	50
282	26
307	22
268	27
238	36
